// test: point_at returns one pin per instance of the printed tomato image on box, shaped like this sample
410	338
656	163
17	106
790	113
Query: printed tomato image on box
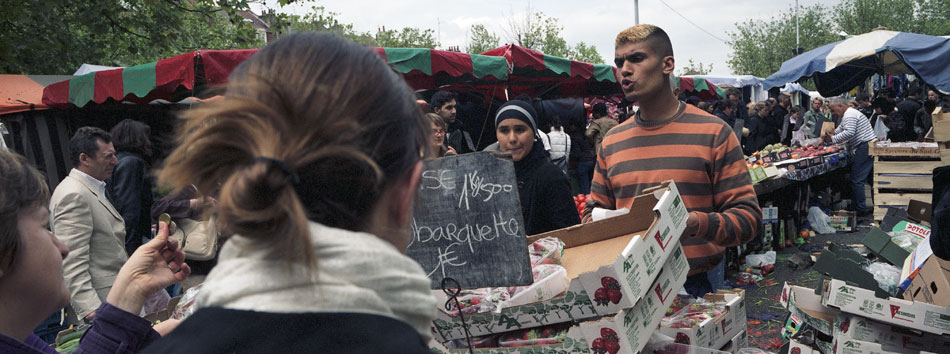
628	331
862	302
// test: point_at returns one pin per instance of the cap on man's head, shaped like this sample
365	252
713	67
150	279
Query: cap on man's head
600	109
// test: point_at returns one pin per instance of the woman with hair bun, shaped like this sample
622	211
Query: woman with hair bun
317	147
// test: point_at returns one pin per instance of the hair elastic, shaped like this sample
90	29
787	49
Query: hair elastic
281	165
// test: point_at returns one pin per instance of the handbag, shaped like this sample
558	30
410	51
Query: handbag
197	239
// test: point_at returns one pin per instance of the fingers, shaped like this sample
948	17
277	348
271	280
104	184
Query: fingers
183	273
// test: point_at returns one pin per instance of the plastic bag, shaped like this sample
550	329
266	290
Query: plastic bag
760	260
888	277
880	129
819	221
547	250
186	306
550	280
753	351
156	302
694	314
906	240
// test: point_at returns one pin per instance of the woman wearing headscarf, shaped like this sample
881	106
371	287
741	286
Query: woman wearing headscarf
545	192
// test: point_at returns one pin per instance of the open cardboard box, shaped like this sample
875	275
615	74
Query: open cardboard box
862	302
632	328
714	332
739	341
574	342
804	306
932	283
841	263
797	347
880	243
625	251
890	338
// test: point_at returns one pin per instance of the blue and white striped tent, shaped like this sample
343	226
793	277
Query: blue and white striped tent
840	66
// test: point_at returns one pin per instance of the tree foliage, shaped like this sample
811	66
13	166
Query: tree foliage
760	47
480	40
57	36
321	20
694	68
535	30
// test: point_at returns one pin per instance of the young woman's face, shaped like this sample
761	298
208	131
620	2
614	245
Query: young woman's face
516	137
438	135
37	273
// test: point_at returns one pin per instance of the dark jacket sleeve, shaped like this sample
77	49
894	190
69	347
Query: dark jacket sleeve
128	182
558	202
116	331
176	204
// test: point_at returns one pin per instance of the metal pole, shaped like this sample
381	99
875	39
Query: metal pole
636	12
797	44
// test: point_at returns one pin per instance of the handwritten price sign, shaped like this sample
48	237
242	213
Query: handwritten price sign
467	223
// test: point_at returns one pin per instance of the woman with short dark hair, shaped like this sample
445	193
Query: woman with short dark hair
131	183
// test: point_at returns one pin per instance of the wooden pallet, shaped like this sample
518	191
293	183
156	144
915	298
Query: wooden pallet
902	174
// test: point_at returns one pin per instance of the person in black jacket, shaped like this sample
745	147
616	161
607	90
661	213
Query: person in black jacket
545	193
317	146
131	184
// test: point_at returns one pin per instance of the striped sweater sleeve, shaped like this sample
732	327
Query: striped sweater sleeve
738	218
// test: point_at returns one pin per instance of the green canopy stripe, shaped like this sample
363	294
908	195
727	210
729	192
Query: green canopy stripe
82	89
700	84
485	65
604	72
557	65
138	80
409	59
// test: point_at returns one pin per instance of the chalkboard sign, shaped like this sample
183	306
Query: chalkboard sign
467	223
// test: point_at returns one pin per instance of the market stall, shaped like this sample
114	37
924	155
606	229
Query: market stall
545	76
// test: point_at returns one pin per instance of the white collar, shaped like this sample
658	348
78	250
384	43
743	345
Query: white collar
101	185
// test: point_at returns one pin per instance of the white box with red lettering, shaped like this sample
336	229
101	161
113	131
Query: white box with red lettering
862	302
710	332
890	338
611	264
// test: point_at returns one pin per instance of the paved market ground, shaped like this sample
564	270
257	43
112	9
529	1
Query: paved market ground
765	313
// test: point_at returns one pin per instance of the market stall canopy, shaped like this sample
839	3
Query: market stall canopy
179	77
840	66
733	81
540	75
704	89
24	92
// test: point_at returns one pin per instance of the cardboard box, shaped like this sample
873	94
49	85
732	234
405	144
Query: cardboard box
796	347
804	304
714	332
891	338
847	265
917	315
919	211
843	220
941	125
629	248
845	345
739	341
677	348
632	328
880	244
574	342
164	313
914	262
932	283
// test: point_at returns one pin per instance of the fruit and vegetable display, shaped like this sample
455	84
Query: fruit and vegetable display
545	255
545	335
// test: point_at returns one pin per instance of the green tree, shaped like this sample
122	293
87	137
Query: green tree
862	16
56	36
406	37
760	47
693	68
321	20
535	30
480	40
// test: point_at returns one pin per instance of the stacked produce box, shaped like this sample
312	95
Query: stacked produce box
617	278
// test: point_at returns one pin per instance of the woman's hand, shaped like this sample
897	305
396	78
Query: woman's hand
154	266
166	326
450	151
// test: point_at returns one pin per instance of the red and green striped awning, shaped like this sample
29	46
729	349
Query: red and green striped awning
704	89
535	73
178	77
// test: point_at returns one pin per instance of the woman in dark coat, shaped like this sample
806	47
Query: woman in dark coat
131	185
545	192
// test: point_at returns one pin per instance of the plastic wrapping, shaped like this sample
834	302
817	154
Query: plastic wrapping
156	302
545	335
819	221
888	277
760	260
693	314
906	240
186	306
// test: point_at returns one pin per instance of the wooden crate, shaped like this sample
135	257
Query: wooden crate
902	174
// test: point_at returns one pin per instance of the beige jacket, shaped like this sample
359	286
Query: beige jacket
94	233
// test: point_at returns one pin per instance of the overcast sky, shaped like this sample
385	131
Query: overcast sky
593	22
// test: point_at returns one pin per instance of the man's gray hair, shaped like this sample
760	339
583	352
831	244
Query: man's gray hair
839	101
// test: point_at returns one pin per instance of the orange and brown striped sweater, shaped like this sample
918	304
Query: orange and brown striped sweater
702	155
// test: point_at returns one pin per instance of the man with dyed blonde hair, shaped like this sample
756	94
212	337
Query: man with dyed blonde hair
670	140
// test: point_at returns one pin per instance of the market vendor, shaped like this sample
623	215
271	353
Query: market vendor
855	129
669	140
545	192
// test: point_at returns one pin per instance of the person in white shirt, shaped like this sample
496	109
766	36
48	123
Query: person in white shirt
855	129
560	144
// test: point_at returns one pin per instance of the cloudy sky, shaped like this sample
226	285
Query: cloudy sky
594	22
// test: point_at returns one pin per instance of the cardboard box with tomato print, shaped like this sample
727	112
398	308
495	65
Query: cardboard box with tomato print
628	331
610	262
888	337
711	331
